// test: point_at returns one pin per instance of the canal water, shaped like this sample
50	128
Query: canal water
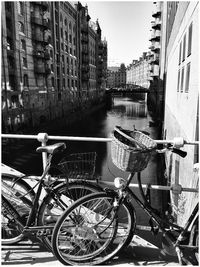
125	112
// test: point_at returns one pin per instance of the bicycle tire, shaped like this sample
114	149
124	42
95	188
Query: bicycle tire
75	190
90	240
194	240
11	231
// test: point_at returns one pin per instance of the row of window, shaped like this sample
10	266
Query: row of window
183	44
185	71
185	50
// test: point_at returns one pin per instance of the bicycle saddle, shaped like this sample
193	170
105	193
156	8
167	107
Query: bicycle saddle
52	149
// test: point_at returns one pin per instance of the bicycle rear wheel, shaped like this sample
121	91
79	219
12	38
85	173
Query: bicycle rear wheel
61	197
11	231
93	230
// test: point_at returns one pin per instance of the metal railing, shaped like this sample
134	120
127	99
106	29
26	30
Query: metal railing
44	137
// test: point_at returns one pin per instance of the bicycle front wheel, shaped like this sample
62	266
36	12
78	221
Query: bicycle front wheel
61	197
93	230
12	186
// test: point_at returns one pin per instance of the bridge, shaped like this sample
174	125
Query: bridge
127	91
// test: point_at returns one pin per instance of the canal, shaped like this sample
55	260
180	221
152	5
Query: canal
125	112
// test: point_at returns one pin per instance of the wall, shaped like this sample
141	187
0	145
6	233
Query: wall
181	108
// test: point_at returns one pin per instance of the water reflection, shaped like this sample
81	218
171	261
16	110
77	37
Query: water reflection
128	108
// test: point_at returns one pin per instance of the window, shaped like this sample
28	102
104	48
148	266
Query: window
182	79
190	40
21	26
187	78
178	83
66	36
52	81
24	62
180	51
70	38
20	8
184	47
23	45
25	80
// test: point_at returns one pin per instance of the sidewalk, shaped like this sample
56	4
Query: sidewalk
139	252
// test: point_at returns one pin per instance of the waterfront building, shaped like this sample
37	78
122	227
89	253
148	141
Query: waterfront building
116	77
137	72
181	69
156	56
49	61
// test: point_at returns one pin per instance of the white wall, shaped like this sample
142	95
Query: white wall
180	107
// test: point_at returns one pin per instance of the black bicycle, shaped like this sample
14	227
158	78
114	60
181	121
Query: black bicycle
96	227
24	214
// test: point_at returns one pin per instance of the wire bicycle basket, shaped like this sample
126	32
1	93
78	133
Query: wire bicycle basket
79	165
131	150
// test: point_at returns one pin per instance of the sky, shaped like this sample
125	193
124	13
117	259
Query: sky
125	25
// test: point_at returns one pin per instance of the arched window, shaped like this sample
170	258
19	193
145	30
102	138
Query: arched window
23	44
21	26
21	8
25	80
61	18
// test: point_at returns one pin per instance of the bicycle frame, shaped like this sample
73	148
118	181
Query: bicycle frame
29	226
160	222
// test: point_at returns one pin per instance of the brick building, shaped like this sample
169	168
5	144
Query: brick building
50	53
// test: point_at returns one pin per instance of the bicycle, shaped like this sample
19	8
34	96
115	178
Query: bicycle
96	227
25	215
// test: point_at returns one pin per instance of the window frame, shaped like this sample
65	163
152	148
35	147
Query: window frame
190	31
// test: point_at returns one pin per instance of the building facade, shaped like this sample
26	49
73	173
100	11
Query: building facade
182	97
116	77
49	61
155	99
137	72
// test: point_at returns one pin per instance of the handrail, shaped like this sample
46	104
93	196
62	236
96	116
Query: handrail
94	139
44	137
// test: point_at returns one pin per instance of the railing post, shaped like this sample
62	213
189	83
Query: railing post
43	138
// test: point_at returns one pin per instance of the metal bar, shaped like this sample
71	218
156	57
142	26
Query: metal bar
155	187
80	138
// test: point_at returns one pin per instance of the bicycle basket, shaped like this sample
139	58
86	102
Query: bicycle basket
131	150
79	165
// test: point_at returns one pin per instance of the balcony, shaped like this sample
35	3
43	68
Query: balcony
84	39
84	28
47	70
47	55
157	10
85	68
39	37
85	60
155	35
156	25
40	21
156	47
39	69
38	53
44	5
85	77
152	47
85	50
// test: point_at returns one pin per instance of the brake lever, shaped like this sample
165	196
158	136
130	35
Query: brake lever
180	152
